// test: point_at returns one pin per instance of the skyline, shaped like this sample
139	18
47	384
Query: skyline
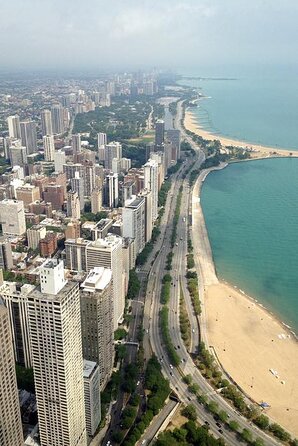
101	35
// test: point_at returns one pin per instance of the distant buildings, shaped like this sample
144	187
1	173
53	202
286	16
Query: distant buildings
73	205
76	144
151	184
6	262
14	129
57	115
49	147
55	331
34	235
46	123
159	134
11	433
134	222
112	150
29	136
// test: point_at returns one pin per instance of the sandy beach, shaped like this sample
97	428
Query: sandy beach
247	339
249	342
259	151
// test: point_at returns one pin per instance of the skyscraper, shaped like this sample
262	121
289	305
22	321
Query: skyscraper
57	115
5	254
56	347
151	184
173	135
11	433
14	129
97	318
77	185
133	216
92	396
96	200
159	134
112	150
101	139
107	252
112	192
59	160
15	297
46	123
76	144
73	205
29	136
49	147
12	217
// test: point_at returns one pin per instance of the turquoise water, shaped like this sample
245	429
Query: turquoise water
261	110
251	214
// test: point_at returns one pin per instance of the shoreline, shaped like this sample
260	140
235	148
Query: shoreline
272	344
192	124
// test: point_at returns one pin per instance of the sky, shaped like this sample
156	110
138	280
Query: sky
125	34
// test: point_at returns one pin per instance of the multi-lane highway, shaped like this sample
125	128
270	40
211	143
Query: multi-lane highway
153	339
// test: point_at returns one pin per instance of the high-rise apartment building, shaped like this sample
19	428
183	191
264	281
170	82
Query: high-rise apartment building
34	235
6	262
107	252
97	318
151	184
46	123
18	155
14	129
56	347
112	150
159	133
75	250
57	114
77	185
133	216
76	144
29	136
11	433
148	213
49	147
101	139
59	160
73	205
112	190
12	217
15	297
92	396
96	200
173	135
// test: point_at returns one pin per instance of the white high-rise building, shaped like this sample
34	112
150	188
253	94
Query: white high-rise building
29	136
107	252
59	160
113	190
49	147
101	139
46	123
76	144
134	223
56	348
18	156
112	150
15	297
14	129
77	185
151	183
92	396
12	217
11	432
34	235
97	318
73	205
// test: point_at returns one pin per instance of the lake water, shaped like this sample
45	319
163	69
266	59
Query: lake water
251	214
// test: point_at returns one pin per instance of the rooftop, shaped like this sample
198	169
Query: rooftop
97	280
89	367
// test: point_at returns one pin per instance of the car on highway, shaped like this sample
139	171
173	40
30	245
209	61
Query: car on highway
220	431
207	423
171	367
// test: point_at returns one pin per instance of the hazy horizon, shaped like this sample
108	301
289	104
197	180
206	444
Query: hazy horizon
178	35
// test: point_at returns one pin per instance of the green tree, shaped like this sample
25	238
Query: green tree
234	425
189	412
262	421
